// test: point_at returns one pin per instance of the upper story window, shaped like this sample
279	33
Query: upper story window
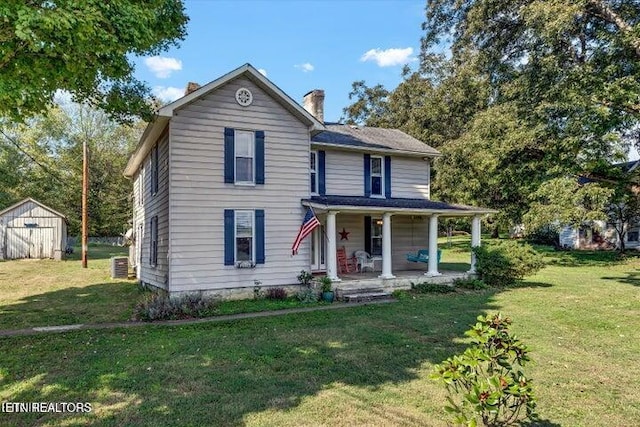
377	176
244	157
313	171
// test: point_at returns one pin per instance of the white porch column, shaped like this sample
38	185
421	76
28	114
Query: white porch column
433	247
332	263
475	240
386	247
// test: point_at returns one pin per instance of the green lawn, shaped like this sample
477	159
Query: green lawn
358	366
47	292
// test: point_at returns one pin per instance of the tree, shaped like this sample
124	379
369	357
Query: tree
83	48
564	201
43	160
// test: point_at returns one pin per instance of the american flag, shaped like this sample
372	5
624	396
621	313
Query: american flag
308	224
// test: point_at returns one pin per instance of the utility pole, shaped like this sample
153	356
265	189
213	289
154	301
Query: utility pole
85	191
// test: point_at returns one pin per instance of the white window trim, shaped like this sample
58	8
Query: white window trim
371	175
235	234
317	187
253	158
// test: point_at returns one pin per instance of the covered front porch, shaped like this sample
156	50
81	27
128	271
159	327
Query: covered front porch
388	229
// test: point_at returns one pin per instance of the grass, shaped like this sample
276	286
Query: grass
47	292
368	365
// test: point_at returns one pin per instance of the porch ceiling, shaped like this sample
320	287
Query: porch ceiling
400	206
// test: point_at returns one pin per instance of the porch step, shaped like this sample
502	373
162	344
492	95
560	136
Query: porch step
362	295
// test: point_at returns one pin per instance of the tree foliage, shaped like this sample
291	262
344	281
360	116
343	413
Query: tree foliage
84	48
533	90
42	158
564	201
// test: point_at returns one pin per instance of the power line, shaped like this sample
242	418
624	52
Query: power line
33	159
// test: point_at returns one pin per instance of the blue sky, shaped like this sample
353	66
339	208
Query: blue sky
300	45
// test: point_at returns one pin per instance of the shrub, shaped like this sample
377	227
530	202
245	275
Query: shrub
305	278
469	283
486	381
276	293
505	263
307	295
160	307
325	284
431	288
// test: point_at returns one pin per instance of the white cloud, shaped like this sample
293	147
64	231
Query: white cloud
162	66
262	71
389	57
306	67
168	93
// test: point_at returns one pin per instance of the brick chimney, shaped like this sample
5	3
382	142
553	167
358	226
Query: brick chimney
313	102
191	86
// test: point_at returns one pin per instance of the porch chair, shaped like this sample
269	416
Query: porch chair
345	264
422	256
364	260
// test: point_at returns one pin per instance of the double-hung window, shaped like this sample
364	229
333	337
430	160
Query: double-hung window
244	236
244	157
377	176
313	171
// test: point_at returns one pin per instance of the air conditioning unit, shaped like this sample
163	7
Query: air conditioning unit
119	267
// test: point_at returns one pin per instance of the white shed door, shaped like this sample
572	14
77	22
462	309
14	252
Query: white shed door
29	242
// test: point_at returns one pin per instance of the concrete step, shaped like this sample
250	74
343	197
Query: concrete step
362	295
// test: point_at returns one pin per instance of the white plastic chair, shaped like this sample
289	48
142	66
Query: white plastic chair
364	260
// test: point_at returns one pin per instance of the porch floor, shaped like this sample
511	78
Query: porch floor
352	282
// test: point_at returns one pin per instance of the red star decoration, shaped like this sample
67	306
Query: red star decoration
344	234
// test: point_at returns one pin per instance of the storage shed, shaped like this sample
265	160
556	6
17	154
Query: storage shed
30	229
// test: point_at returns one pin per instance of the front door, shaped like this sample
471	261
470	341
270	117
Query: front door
318	249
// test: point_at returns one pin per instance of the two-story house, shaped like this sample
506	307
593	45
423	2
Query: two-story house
223	178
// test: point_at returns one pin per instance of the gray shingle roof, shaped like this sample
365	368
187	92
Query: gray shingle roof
371	137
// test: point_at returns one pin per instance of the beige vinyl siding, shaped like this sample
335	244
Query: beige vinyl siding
410	177
153	205
344	175
199	195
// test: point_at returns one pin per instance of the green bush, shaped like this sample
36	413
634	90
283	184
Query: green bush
504	263
307	295
431	288
486	382
469	283
158	306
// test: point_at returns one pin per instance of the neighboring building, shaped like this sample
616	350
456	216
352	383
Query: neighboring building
602	235
223	178
30	229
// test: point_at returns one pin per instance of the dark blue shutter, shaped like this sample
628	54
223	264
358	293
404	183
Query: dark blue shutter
229	156
260	236
367	234
229	235
367	175
322	186
387	177
259	157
